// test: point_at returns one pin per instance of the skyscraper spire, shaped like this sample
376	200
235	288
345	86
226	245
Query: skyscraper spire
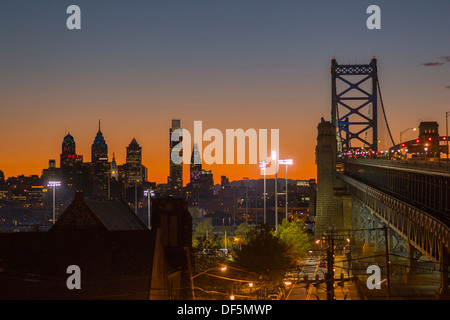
98	124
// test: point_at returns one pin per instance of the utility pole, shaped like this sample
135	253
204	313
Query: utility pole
446	130
329	277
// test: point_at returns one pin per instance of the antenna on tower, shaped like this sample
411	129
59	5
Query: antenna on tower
99	125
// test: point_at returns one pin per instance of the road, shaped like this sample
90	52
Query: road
311	268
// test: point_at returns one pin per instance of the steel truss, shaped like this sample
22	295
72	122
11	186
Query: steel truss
344	116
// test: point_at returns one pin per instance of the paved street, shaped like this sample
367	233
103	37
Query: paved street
311	268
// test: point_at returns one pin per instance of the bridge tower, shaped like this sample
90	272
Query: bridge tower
333	204
354	105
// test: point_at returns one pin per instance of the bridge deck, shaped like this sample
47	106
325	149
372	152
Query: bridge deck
438	167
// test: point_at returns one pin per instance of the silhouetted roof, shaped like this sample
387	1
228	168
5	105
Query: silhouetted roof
87	214
115	215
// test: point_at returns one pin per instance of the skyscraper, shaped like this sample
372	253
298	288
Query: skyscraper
71	164
195	166
101	167
134	163
175	179
99	150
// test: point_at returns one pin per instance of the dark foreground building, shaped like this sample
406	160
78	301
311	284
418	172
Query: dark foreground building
117	255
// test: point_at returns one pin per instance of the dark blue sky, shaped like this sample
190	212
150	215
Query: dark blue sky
231	63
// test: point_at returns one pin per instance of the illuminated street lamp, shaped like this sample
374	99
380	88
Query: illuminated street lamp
223	268
286	162
401	134
149	193
54	185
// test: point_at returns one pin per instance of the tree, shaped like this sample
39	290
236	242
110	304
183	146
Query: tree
293	233
265	254
206	253
242	232
202	229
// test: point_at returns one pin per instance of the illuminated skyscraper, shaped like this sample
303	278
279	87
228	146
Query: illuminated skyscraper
101	167
175	179
195	166
134	163
99	150
71	164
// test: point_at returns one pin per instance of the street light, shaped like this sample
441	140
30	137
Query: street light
401	134
263	164
223	268
149	193
286	162
54	184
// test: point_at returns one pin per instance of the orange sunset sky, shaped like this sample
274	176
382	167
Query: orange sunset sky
231	64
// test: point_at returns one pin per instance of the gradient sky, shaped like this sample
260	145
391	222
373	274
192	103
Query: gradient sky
231	63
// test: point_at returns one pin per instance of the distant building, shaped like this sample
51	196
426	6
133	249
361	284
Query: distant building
114	169
195	167
100	165
71	164
224	181
134	163
51	173
427	145
175	179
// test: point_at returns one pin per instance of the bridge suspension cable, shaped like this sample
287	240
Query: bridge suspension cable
384	113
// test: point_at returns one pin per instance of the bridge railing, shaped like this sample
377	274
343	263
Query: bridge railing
426	185
437	165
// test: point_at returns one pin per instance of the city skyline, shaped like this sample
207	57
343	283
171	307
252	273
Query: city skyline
233	65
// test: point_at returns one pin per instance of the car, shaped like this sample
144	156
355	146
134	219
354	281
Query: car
289	279
274	295
322	263
288	276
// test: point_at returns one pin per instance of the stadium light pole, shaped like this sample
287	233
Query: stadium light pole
54	185
275	159
262	164
286	162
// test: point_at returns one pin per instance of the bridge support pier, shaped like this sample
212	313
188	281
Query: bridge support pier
443	292
411	266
